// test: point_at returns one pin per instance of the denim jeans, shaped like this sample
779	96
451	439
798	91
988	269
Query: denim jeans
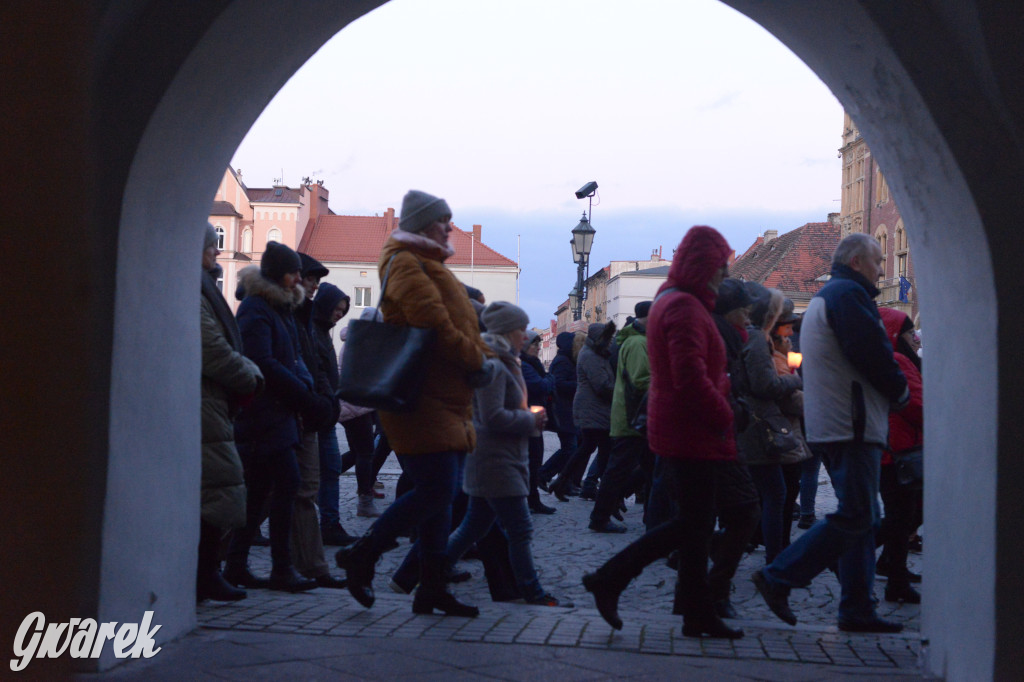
513	514
772	487
359	434
809	469
427	506
846	535
328	499
659	501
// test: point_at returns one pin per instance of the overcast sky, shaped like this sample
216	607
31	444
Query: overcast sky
685	112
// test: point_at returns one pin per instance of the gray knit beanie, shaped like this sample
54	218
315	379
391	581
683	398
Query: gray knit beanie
420	210
210	236
501	317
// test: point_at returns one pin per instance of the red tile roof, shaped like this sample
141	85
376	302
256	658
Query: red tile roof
359	239
792	262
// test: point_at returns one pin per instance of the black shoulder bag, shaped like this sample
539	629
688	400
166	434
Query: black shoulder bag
381	363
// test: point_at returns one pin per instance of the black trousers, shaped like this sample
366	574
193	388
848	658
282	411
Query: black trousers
576	465
269	474
692	483
627	455
902	517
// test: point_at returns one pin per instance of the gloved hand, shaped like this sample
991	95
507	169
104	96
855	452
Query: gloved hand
318	412
485	375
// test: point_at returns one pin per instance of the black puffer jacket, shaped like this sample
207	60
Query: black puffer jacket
563	369
326	300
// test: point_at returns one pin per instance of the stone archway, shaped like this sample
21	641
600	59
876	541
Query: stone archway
153	126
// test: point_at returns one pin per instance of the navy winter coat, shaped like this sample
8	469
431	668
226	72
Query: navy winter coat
563	369
270	339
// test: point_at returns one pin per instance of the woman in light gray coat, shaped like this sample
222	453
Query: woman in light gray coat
497	472
591	412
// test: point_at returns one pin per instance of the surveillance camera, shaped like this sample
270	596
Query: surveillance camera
586	190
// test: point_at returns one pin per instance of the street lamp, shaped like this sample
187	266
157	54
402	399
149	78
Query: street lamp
581	243
582	240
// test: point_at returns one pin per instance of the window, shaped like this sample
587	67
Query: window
363	296
220	237
247	241
274	235
901	264
220	283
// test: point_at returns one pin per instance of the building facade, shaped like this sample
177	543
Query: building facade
867	206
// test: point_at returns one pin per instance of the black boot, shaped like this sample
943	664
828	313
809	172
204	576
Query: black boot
287	579
210	584
606	596
358	560
704	621
239	574
433	593
213	586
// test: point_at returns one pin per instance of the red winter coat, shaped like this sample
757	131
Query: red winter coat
906	427
689	416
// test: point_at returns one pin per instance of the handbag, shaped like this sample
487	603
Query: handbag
910	467
775	433
382	363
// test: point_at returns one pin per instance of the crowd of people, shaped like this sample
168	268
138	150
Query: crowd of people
698	408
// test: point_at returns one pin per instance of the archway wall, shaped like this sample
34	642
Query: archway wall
152	497
926	91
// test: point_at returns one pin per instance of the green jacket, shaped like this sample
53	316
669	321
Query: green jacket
632	342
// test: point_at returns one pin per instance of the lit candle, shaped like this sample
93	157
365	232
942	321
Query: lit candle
794	360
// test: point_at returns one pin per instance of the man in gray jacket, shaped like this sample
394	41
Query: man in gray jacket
851	382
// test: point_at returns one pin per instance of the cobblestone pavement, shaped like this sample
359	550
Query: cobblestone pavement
563	549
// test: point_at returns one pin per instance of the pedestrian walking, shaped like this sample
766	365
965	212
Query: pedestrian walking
431	440
690	426
497	470
851	382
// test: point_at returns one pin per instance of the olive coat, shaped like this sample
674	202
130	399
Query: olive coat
227	375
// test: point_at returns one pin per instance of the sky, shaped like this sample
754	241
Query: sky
684	111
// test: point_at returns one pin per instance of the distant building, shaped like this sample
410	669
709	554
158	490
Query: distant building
868	207
247	218
797	262
606	296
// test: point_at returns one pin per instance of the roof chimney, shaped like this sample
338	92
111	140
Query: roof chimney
476	232
770	235
389	220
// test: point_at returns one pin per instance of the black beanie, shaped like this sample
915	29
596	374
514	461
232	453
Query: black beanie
731	295
311	266
642	309
278	260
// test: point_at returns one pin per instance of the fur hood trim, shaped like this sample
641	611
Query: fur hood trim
255	284
423	245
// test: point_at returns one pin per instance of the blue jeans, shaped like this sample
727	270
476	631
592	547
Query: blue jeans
847	535
427	506
330	469
513	514
772	487
809	469
659	501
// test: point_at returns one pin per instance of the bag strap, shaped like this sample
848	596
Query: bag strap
387	273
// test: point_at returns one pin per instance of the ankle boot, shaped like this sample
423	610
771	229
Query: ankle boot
705	621
358	560
606	596
902	593
433	593
366	507
213	586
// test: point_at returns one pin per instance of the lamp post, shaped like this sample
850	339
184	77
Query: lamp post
581	242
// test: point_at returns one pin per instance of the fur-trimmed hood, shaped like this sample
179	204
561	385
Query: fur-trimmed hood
253	283
424	246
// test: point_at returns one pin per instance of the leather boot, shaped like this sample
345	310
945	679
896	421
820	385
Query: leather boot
433	593
287	579
703	620
213	586
606	593
358	560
